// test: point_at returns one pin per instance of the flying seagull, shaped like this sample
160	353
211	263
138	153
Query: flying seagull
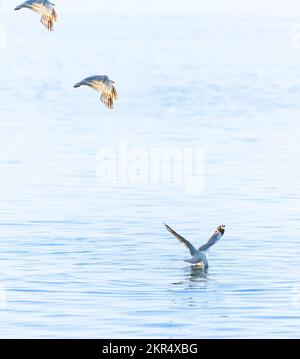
43	8
104	85
199	256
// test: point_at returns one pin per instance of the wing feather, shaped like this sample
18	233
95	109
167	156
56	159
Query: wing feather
34	5
191	248
213	240
104	85
49	16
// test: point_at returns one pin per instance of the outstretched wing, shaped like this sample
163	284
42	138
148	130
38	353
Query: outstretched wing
191	248
108	96
213	239
95	82
34	5
43	8
49	15
104	85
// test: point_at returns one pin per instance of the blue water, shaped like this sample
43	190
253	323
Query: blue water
80	258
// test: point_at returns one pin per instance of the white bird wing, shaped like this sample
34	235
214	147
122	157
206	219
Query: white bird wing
43	8
108	97
106	87
49	15
189	245
34	5
213	240
99	83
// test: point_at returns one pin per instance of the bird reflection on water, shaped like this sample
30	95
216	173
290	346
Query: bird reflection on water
193	274
197	274
195	281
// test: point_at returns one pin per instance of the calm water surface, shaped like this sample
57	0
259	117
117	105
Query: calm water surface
83	259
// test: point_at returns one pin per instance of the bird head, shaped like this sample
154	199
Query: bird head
221	228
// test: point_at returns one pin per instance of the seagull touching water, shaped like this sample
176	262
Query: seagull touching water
199	256
104	85
43	8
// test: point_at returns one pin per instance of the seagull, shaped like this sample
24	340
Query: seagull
104	85
199	256
43	8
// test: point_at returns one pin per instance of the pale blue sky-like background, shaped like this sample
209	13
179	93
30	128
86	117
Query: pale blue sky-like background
80	258
174	7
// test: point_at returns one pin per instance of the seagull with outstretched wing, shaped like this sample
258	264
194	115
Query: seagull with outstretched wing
44	8
103	85
199	256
